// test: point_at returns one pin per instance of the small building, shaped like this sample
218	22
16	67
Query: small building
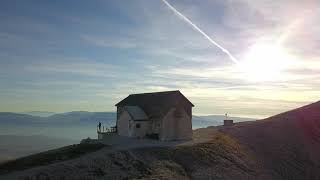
160	115
227	121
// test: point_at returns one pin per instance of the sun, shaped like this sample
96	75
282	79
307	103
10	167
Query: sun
265	62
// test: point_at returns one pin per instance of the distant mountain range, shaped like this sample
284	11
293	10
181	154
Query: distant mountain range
71	125
24	134
78	124
75	117
38	118
39	113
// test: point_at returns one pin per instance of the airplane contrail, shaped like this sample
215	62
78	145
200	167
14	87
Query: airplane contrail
200	31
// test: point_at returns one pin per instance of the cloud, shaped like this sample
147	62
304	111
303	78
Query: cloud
109	42
77	68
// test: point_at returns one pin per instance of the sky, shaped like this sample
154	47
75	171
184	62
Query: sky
72	55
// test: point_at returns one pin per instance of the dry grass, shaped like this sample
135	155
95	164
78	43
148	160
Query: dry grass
220	158
49	157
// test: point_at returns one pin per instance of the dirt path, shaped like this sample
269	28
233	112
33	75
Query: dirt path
124	143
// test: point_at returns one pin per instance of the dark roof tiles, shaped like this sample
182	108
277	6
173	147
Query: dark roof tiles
155	98
156	104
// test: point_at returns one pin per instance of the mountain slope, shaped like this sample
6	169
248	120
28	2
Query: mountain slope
288	144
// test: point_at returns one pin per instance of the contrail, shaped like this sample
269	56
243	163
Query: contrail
200	31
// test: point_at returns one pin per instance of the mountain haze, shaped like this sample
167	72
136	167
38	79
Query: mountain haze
67	127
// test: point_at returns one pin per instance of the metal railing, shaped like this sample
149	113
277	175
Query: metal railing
112	129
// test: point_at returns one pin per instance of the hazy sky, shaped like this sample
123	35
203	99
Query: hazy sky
87	55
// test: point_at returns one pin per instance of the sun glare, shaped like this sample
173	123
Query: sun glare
265	62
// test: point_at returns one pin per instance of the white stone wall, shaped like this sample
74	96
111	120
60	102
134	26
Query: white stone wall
155	126
123	124
100	135
176	126
127	127
142	130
